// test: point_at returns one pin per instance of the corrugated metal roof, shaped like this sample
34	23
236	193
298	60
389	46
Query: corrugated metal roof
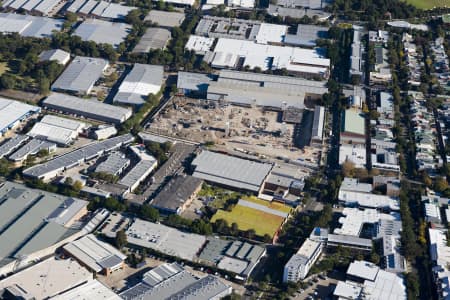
232	171
139	83
103	32
88	108
81	75
165	18
73	158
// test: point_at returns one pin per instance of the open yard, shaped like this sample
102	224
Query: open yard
429	4
262	216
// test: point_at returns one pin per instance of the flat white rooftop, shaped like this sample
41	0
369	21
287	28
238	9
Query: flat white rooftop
369	200
93	289
165	239
266	57
49	277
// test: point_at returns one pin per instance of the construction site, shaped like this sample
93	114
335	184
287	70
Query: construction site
255	131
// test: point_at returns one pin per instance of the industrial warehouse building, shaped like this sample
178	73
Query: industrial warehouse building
177	194
164	239
251	89
353	127
232	53
234	256
142	81
29	26
44	7
55	129
154	38
96	255
58	55
12	144
58	165
92	289
194	84
229	171
91	109
102	9
80	76
34	223
45	280
32	147
114	164
172	281
165	18
103	32
13	112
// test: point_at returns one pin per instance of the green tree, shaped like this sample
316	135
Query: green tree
149	213
121	239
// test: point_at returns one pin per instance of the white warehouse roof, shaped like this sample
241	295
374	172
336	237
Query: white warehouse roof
12	112
139	83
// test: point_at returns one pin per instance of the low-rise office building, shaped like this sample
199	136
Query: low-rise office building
300	263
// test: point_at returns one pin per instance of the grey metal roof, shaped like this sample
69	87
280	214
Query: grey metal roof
92	109
154	38
171	281
318	123
81	75
95	254
349	240
12	144
232	171
264	90
208	287
26	25
139	83
198	82
214	250
161	273
176	192
103	32
31	148
25	227
138	173
73	158
165	18
114	164
46	6
113	11
75	5
54	54
88	6
307	35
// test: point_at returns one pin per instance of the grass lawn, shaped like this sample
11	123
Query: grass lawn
429	4
3	67
248	218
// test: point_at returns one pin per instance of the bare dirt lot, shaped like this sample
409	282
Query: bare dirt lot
251	130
